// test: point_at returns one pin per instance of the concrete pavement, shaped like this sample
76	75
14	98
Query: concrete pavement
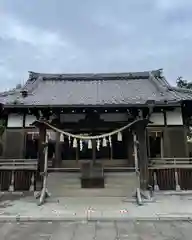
113	230
24	208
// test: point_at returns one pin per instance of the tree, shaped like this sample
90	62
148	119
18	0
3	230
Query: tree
182	83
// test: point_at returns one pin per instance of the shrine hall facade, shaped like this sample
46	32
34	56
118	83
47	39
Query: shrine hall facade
92	105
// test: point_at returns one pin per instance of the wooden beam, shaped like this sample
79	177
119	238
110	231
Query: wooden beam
142	154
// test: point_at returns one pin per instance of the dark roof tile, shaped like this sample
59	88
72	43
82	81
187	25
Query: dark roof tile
97	89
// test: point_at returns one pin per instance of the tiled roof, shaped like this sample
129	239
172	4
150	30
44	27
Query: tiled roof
97	89
182	93
10	96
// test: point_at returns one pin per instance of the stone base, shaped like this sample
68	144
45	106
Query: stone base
92	183
92	175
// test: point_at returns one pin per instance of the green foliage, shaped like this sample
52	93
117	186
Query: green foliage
182	83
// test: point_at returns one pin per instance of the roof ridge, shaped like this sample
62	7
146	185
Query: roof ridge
31	84
60	76
158	82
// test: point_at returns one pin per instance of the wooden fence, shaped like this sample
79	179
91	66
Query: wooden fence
170	173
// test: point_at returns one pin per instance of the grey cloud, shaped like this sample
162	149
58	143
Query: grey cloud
94	36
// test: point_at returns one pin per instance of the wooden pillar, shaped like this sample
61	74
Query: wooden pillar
57	159
130	149
166	143
142	154
42	138
94	151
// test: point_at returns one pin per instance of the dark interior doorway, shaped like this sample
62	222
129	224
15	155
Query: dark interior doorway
31	146
155	145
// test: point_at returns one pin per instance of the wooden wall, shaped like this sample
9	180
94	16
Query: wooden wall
177	142
174	142
14	140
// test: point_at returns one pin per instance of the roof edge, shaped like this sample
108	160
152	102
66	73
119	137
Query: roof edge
182	90
135	105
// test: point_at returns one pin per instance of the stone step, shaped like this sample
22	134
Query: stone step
69	185
70	180
93	193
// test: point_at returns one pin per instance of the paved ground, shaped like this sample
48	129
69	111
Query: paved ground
96	230
95	208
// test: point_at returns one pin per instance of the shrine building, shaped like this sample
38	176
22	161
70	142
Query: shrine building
97	117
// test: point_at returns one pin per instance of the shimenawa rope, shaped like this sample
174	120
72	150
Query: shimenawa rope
77	136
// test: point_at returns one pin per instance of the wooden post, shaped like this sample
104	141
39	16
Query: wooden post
42	138
130	149
57	159
142	154
94	151
166	138
32	183
156	186
11	187
166	143
138	192
177	186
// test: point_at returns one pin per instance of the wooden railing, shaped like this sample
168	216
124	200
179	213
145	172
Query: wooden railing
164	174
161	163
18	174
170	173
18	164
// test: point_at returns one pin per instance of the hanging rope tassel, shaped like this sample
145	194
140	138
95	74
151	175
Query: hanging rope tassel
89	144
156	134
104	142
119	136
74	142
81	144
69	140
110	141
61	137
98	144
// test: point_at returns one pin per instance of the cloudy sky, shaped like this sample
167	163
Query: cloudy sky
94	36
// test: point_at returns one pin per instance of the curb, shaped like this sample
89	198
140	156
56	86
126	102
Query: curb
17	218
